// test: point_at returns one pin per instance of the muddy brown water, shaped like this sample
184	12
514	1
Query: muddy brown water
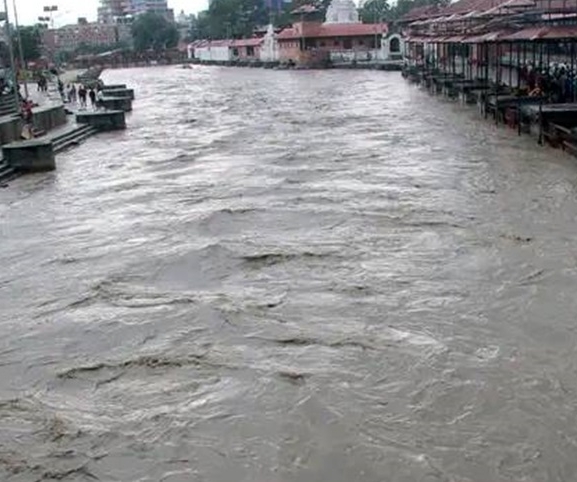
291	276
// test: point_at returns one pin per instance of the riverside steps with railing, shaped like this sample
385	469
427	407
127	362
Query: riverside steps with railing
8	105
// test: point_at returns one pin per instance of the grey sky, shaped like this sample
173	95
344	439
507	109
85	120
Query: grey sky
70	10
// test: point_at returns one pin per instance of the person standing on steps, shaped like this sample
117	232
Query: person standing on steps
82	96
73	94
92	96
28	118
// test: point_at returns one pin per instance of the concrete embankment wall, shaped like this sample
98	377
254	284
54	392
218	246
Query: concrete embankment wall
381	65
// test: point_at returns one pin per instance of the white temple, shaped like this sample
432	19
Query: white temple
342	11
269	48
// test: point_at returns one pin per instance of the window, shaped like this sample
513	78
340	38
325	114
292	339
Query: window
235	52
395	45
250	51
321	44
336	43
348	44
361	42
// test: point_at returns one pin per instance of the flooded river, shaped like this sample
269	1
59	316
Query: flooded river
291	276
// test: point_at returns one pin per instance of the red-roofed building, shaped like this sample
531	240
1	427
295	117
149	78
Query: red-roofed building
305	40
246	49
340	39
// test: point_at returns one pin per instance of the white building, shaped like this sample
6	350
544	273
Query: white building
269	49
342	11
214	51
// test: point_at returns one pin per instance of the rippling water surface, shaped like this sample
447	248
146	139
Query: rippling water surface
290	276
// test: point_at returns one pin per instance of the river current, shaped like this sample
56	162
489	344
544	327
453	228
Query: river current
282	276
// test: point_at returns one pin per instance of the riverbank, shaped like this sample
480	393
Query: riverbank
57	126
252	63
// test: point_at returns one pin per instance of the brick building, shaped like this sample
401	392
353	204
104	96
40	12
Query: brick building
111	11
70	37
159	7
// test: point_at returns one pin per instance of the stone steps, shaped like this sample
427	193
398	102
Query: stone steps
6	172
8	105
72	137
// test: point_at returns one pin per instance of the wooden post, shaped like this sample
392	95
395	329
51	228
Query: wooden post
510	64
519	117
497	79
572	68
540	141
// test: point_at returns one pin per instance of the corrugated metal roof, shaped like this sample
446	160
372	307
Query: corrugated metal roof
486	37
420	13
556	32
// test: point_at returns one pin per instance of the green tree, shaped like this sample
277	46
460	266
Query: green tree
375	11
31	42
89	49
151	31
236	18
200	26
402	7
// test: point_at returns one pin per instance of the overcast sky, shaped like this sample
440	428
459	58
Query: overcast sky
70	10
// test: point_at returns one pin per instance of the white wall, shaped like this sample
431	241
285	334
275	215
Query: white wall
269	50
350	56
386	46
213	53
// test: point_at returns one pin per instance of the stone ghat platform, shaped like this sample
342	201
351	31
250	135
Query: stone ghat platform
118	92
55	133
103	121
117	103
38	155
46	118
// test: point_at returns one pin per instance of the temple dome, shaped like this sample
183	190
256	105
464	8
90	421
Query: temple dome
342	11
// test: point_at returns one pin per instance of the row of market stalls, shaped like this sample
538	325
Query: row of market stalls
516	58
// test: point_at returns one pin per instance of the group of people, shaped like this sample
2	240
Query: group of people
557	82
82	95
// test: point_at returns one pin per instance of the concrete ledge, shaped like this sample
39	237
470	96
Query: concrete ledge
117	103
103	120
35	155
49	117
119	93
113	87
10	129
